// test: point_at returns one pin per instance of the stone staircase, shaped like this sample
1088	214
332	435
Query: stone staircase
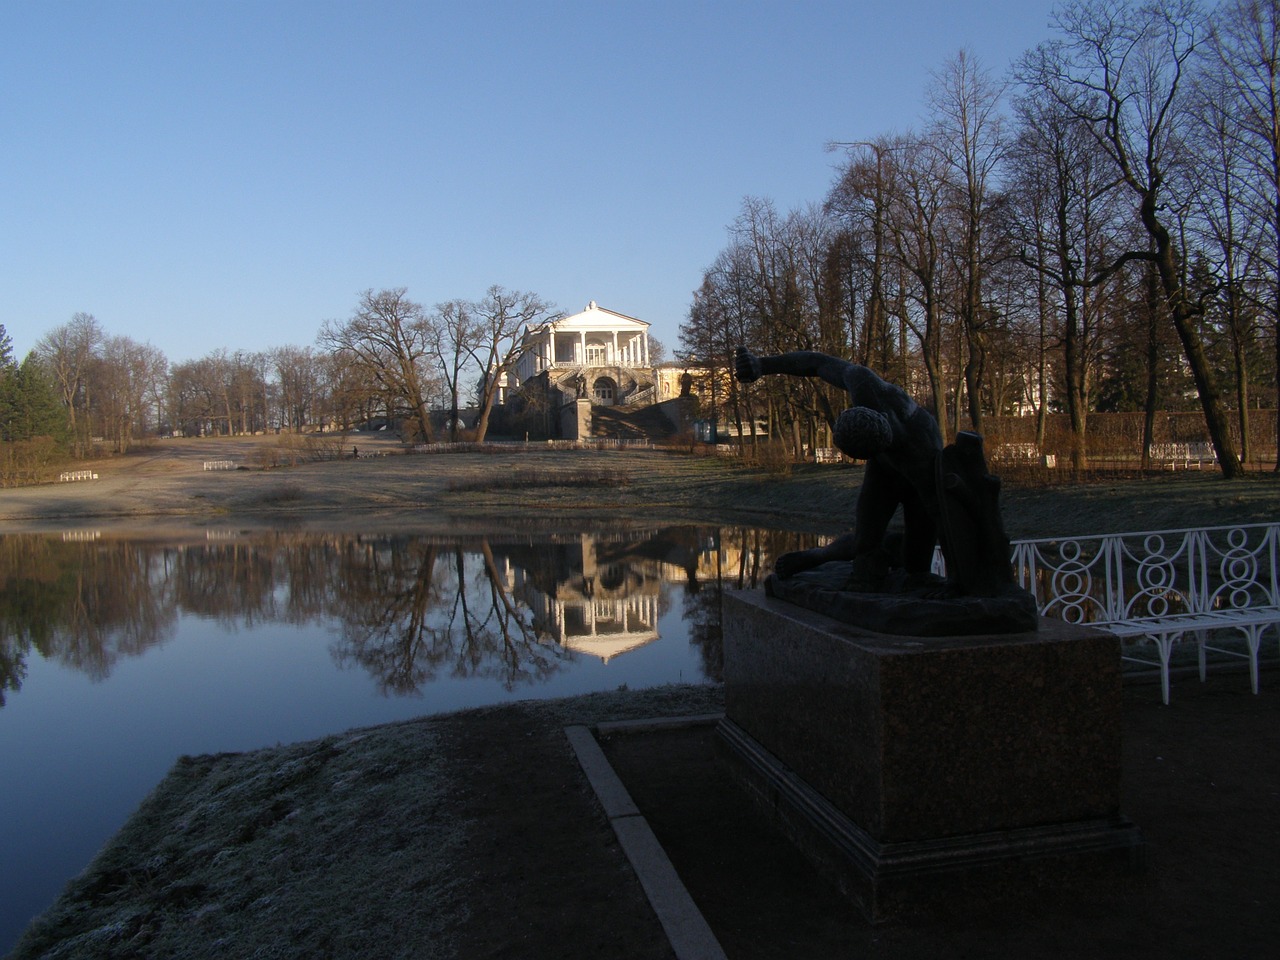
621	423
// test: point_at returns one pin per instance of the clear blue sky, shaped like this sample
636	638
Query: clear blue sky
216	173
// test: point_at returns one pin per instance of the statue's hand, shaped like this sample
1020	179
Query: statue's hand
746	366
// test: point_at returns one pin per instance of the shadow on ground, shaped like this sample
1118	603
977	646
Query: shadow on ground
1202	781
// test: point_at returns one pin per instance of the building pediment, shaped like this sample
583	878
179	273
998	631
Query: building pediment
596	317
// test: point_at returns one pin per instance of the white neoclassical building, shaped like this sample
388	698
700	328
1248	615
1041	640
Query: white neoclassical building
594	344
568	372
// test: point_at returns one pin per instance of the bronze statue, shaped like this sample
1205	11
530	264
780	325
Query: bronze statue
947	496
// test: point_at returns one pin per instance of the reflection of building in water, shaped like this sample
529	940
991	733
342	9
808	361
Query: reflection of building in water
602	593
592	604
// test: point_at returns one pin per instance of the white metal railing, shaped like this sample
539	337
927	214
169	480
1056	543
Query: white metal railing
1161	585
70	475
1022	453
219	465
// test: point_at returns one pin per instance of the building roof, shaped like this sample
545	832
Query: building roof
592	317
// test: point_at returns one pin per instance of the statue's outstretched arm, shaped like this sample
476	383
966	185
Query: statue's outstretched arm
798	363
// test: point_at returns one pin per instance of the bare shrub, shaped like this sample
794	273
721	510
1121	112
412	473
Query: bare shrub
31	461
282	494
771	456
324	446
291	449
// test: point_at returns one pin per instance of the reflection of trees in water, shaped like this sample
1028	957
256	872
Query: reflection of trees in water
385	595
419	609
743	557
702	617
749	552
231	583
408	608
84	604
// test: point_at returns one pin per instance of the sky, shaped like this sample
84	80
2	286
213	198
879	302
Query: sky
208	174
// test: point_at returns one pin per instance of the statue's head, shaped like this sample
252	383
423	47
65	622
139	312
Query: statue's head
861	433
972	532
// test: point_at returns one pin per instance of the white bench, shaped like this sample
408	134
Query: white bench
1174	455
1161	586
1022	453
826	455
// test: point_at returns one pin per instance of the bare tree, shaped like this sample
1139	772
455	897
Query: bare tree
125	376
722	316
298	377
348	393
777	272
191	398
860	199
1227	236
1062	216
500	318
455	336
916	231
967	130
1245	78
68	351
390	336
1121	72
893	200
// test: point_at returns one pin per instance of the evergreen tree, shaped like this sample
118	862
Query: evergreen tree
8	372
29	404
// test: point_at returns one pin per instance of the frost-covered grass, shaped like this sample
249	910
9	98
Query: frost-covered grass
364	844
315	849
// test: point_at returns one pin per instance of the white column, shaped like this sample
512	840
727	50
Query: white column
645	339
615	359
582	347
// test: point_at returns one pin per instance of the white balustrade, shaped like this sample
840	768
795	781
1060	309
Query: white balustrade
1161	586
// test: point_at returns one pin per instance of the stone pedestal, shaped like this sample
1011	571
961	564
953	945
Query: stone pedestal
575	420
911	768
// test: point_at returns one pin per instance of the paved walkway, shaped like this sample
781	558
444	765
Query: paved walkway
1201	779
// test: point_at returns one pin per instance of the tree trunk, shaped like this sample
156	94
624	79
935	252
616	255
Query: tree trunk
1152	304
1242	381
1215	415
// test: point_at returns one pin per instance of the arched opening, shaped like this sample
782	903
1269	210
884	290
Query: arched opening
604	391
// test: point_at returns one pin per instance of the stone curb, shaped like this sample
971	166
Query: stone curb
687	930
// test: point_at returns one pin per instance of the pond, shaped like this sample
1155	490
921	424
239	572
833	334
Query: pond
119	654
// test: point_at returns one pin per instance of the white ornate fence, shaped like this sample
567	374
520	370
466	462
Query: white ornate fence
1159	586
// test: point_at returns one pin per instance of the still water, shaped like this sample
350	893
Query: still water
119	655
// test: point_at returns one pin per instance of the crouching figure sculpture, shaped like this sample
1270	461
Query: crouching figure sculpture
946	495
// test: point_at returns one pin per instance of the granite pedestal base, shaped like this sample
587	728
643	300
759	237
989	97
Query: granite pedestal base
912	769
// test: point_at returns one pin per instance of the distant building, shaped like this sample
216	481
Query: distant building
598	355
